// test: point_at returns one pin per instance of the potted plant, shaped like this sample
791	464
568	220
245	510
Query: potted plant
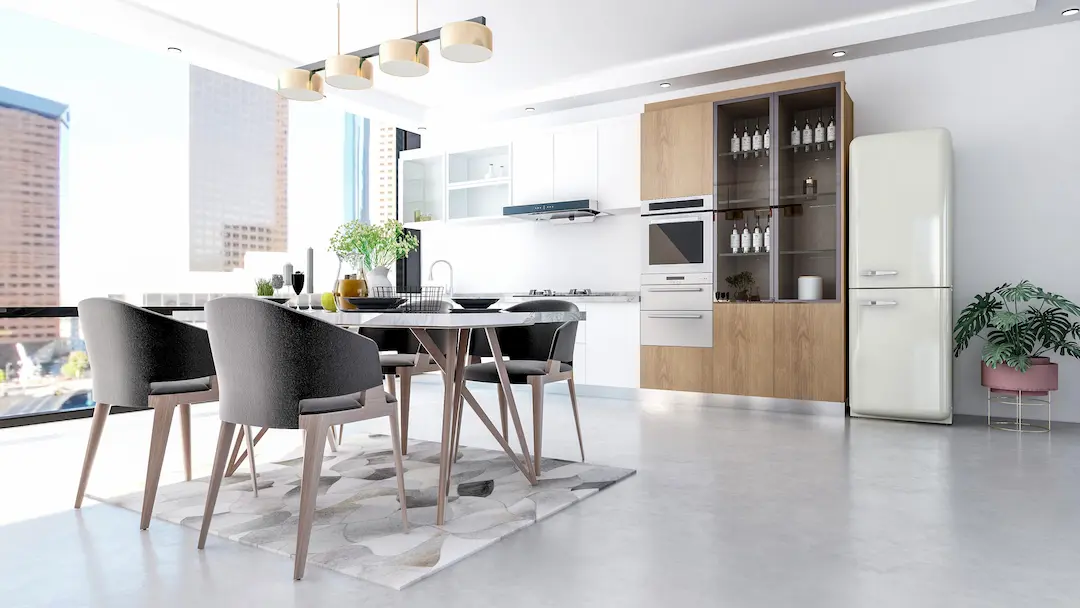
371	249
741	283
263	288
1020	324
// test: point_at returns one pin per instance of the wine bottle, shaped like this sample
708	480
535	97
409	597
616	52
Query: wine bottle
766	142
796	135
735	140
819	131
734	239
807	133
756	237
745	238
768	232
757	137
830	131
746	141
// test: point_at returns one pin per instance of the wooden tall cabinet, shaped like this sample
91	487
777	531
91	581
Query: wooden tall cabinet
775	345
676	152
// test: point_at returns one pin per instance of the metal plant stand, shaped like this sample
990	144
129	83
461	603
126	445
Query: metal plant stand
1018	400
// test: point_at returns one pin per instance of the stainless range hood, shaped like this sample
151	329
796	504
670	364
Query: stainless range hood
562	212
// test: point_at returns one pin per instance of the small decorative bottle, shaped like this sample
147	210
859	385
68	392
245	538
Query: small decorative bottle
734	241
746	141
756	237
819	132
766	142
768	233
807	135
830	132
746	238
757	140
796	135
735	140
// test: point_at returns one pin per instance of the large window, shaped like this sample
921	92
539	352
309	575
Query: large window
157	182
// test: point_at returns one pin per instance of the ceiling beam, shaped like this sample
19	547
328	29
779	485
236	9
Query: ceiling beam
371	51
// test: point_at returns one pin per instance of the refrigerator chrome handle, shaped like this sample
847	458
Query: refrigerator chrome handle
668	289
674	316
879	273
877	303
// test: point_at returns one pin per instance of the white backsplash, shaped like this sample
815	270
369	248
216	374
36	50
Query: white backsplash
509	255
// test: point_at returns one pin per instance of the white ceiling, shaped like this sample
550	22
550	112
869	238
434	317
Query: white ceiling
553	54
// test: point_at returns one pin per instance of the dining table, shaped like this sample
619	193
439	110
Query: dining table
451	357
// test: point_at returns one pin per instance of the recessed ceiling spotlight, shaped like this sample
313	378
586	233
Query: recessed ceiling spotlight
174	49
839	54
530	109
421	128
1069	12
665	85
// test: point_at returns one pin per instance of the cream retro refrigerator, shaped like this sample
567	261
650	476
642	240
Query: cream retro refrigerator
900	276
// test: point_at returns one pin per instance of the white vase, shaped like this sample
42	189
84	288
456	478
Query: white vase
378	281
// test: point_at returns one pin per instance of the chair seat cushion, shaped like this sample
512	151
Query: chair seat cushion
518	371
339	403
174	387
392	360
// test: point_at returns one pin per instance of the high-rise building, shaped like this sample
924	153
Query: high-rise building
30	134
238	176
383	171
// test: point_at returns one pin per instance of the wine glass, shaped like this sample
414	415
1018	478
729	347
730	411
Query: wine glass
298	286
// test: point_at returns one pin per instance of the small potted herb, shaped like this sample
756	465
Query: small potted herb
741	283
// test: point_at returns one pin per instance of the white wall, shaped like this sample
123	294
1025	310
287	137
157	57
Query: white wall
1012	103
511	256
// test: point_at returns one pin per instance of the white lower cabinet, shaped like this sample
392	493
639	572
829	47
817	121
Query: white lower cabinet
613	339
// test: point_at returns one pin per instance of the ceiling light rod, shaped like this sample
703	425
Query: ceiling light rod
422	37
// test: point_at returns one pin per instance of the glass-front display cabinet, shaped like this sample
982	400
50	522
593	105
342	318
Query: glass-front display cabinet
778	178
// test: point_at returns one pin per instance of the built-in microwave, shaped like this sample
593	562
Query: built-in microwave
678	235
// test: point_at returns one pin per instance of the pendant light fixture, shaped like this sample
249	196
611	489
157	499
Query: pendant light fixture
404	57
465	42
348	71
300	85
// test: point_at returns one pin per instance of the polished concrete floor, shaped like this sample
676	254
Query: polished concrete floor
729	508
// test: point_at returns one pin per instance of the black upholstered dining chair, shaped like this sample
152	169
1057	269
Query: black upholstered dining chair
145	360
283	369
537	355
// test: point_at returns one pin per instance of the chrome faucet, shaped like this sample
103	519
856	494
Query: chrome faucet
431	274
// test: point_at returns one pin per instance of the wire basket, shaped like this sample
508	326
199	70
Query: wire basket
423	299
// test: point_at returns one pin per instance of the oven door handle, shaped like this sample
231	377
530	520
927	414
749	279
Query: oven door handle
672	289
674	315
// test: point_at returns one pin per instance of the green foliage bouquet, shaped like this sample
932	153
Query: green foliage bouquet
365	247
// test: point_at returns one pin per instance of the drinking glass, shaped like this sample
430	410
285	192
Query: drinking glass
298	286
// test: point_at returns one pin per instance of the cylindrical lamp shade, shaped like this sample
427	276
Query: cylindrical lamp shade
300	85
403	57
349	72
465	42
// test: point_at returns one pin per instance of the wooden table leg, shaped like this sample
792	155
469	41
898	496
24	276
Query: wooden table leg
449	382
504	381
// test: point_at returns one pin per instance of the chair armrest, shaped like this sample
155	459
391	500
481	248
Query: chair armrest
562	343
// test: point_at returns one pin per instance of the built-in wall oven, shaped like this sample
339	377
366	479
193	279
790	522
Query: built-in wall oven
677	276
678	235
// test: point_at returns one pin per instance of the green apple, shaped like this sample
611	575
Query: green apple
328	302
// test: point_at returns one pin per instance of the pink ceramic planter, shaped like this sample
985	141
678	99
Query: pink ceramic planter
1040	379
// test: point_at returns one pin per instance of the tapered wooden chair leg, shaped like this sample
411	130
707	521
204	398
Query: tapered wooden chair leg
399	468
221	460
101	413
538	421
250	440
159	439
577	417
185	437
314	438
403	402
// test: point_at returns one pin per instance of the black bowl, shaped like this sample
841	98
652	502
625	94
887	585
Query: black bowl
476	303
375	303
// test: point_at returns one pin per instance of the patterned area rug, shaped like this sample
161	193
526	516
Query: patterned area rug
357	529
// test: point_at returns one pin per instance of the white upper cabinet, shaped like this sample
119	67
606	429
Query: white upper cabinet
575	164
533	169
619	163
